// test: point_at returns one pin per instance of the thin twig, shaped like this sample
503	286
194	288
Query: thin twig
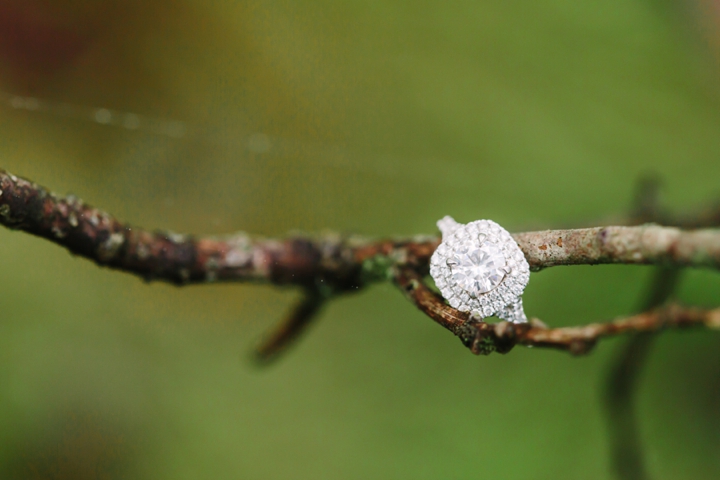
484	338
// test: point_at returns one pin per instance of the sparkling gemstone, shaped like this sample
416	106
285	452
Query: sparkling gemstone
476	268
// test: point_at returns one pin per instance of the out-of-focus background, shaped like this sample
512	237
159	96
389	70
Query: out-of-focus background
372	117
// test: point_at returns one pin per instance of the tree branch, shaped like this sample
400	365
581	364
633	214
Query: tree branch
328	262
641	245
332	264
341	263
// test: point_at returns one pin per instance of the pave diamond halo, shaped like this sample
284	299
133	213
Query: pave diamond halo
479	268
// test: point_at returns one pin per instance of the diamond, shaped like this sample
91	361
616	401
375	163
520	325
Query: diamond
477	269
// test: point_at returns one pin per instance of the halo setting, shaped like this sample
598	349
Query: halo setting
479	268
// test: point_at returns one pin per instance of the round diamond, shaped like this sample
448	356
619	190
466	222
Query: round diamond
477	269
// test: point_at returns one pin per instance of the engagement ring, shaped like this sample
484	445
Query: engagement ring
480	269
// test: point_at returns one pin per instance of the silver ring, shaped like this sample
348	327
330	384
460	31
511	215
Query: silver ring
479	268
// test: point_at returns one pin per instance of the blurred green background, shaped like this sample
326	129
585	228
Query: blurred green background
372	117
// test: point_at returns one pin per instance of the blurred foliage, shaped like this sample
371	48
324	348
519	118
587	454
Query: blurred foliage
381	117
